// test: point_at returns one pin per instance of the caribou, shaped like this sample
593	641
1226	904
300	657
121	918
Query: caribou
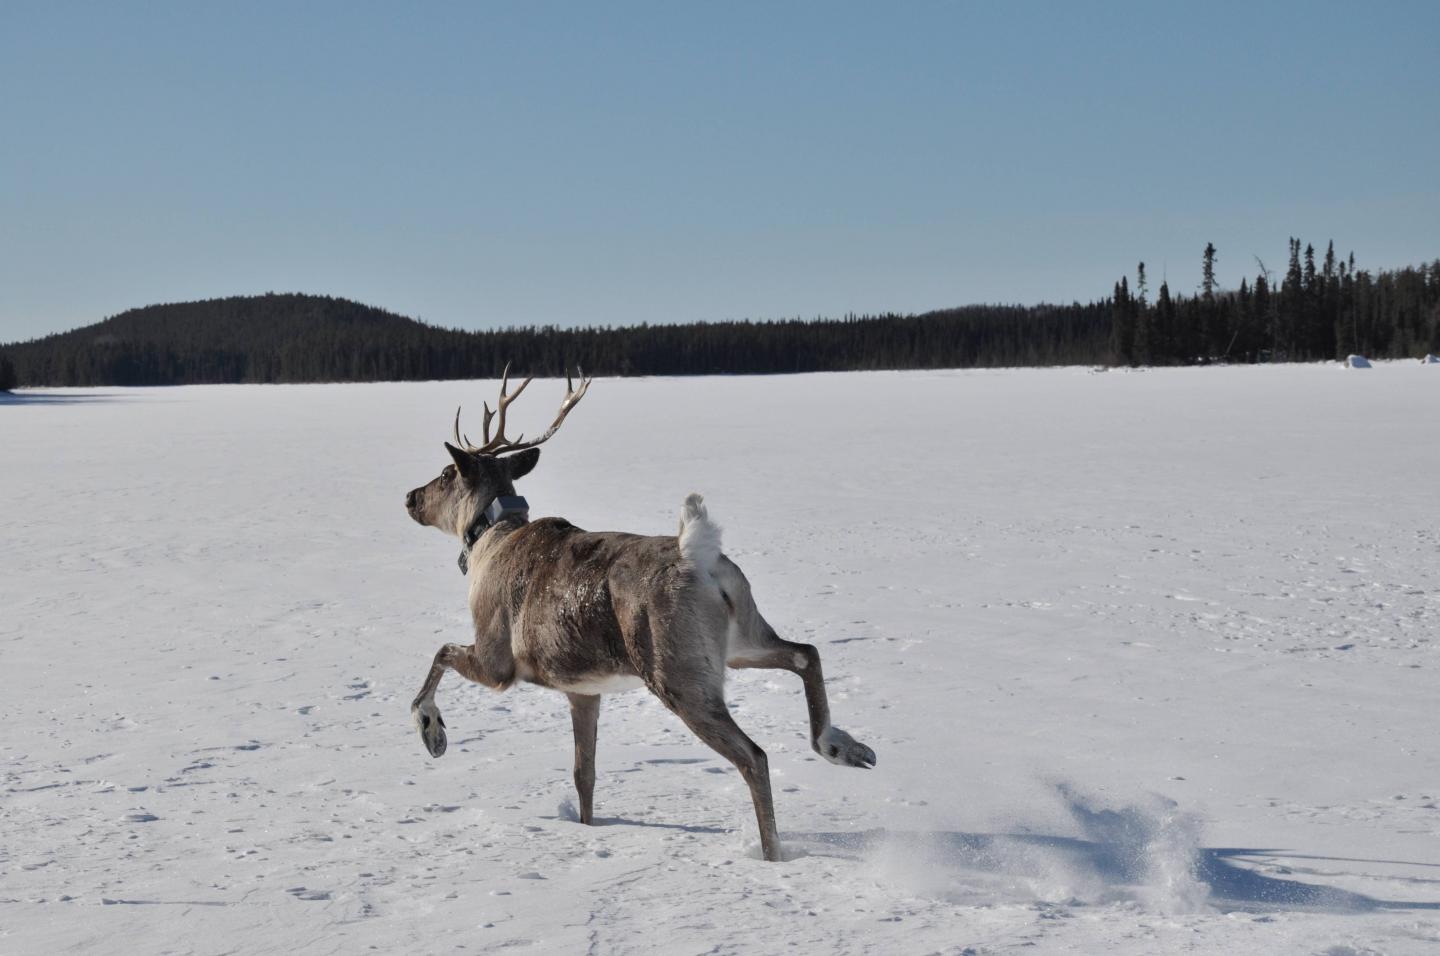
593	613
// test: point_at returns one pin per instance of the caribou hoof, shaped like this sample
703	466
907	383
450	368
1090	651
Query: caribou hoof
838	747
431	726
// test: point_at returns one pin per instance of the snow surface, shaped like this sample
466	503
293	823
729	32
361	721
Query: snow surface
1147	665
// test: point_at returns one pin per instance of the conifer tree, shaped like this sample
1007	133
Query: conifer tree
1144	351
1289	315
1163	344
7	373
1329	304
1122	325
1294	279
1241	338
1207	281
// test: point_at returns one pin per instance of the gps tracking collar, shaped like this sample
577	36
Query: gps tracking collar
505	506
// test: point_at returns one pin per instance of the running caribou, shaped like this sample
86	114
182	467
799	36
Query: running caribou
590	613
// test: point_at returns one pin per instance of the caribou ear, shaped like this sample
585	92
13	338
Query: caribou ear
463	459
521	463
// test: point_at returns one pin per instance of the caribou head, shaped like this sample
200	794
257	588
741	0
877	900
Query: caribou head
478	475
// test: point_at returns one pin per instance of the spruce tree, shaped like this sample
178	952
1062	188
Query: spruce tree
1163	336
1329	304
1144	350
7	373
1207	281
1292	289
1122	325
1294	278
1240	339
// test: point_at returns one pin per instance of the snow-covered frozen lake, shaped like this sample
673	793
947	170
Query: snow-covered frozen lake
1149	661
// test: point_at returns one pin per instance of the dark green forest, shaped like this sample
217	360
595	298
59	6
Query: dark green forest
1312	312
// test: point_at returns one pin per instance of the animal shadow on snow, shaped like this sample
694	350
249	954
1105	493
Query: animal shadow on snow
49	398
1230	886
1150	853
569	814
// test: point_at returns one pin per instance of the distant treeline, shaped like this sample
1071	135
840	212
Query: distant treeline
1314	312
302	338
1311	313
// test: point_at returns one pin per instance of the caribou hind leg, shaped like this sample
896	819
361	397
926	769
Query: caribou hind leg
772	651
710	719
585	719
695	692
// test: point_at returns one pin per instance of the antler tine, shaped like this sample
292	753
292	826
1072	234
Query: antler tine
499	444
572	394
505	383
462	441
572	397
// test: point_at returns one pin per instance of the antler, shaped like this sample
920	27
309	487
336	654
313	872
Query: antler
500	444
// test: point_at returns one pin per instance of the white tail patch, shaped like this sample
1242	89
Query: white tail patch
699	536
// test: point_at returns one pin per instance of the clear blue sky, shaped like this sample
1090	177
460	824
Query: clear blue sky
486	164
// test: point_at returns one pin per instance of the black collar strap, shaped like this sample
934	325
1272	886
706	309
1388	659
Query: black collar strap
505	506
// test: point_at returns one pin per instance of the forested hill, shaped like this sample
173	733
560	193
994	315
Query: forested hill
305	338
1315	311
266	338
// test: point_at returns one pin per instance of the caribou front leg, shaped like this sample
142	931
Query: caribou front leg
585	719
426	715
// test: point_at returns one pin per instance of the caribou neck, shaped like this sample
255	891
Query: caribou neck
502	516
